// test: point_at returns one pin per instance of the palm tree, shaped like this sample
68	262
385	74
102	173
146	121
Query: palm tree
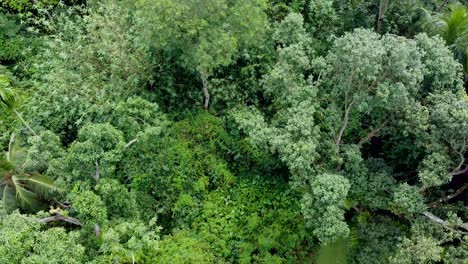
452	26
20	188
10	98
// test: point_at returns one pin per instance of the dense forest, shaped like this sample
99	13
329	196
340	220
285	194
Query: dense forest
234	131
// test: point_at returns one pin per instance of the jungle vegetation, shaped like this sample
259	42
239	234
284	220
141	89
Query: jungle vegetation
233	131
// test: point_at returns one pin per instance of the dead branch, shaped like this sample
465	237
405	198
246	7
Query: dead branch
60	217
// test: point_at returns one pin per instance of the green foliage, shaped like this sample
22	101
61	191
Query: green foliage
42	149
254	222
181	167
417	250
20	187
26	5
96	152
128	242
371	183
201	35
134	116
376	241
87	206
91	61
120	202
402	17
407	200
324	206
9	96
184	248
206	33
452	26
292	134
22	240
322	134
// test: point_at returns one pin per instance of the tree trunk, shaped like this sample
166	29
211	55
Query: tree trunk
204	79
382	9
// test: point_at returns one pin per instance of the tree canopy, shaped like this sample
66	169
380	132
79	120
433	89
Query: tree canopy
326	127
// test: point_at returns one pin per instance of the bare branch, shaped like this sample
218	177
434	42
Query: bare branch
10	145
446	224
131	142
204	79
97	175
97	230
345	123
448	197
460	172
59	217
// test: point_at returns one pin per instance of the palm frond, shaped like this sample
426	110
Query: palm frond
452	26
9	97
8	198
40	184
5	166
25	197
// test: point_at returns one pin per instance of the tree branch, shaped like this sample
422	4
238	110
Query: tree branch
373	132
10	145
460	153
448	197
131	142
59	217
446	224
97	175
345	123
460	172
204	79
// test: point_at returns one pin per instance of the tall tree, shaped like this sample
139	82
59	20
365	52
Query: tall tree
203	34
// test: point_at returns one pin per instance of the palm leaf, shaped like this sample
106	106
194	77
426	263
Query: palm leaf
8	198
5	166
40	184
25	197
9	97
